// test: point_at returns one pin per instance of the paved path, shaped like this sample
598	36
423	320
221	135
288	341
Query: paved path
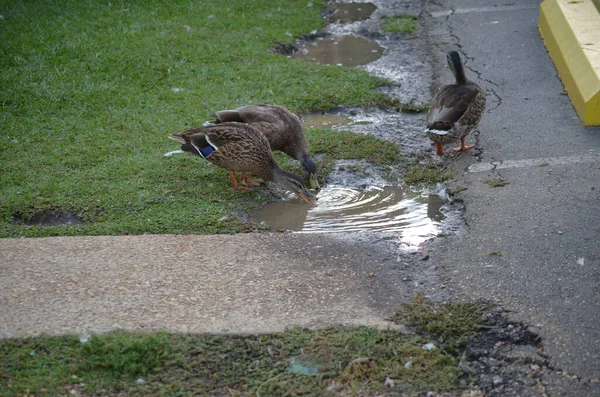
238	284
546	222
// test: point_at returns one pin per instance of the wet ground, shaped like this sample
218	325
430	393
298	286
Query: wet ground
51	218
343	50
413	214
358	196
508	357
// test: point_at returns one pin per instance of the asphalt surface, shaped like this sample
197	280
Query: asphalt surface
544	226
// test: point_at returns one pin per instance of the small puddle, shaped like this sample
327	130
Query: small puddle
324	120
416	215
49	219
341	50
351	12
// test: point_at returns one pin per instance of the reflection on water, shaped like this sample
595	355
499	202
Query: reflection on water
341	50
350	12
323	120
340	209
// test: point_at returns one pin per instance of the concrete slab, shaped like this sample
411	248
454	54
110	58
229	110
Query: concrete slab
237	284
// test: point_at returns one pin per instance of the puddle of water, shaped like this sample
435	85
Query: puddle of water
416	215
351	12
341	50
323	120
50	219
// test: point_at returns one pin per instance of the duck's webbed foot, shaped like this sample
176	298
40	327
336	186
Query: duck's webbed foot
250	181
463	147
235	182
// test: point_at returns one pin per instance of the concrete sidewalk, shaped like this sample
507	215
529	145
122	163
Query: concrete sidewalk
238	284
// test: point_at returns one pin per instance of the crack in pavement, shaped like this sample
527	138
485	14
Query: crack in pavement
558	176
472	60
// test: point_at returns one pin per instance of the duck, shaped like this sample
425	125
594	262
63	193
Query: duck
243	148
283	130
456	109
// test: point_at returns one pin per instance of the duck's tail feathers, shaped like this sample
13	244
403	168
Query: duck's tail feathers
437	132
223	116
177	137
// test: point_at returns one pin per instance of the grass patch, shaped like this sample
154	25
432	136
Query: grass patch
55	365
298	362
449	324
400	23
91	90
412	107
348	145
496	182
329	146
458	189
425	174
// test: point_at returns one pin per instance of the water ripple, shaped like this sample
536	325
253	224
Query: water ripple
415	215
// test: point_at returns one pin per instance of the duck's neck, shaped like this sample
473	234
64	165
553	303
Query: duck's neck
268	174
459	73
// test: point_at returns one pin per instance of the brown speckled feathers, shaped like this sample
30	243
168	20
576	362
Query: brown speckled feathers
281	127
240	147
456	108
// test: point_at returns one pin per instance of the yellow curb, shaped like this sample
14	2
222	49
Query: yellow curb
571	31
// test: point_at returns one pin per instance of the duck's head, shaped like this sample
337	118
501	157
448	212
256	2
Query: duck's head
293	183
309	168
456	66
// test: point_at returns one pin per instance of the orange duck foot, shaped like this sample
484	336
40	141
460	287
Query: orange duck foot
463	147
438	149
250	181
236	184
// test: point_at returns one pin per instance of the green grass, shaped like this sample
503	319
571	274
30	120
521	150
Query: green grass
90	91
425	175
54	365
496	182
299	362
400	23
449	324
334	145
412	107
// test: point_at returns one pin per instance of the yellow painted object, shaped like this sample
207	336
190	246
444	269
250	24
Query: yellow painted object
571	31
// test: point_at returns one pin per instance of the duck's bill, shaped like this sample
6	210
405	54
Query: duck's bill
307	196
313	182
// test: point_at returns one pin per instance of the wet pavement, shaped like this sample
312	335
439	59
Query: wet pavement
546	220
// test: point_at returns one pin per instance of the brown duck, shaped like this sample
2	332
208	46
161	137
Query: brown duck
240	147
282	128
456	109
